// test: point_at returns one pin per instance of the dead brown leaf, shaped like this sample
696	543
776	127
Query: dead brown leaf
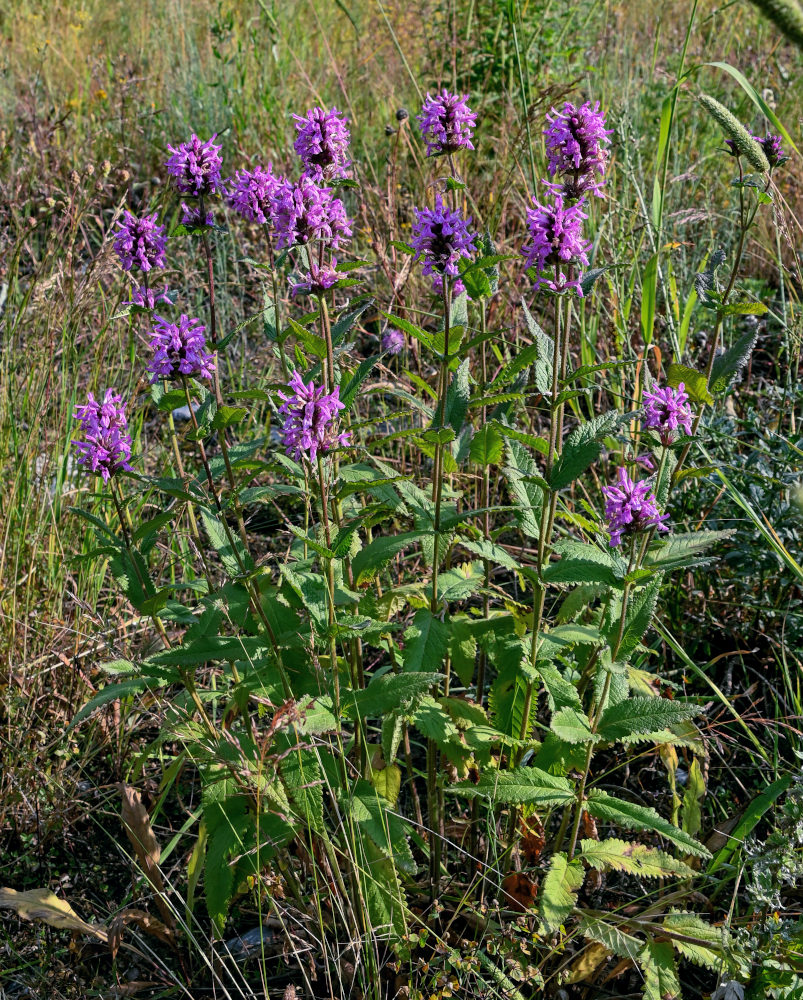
137	825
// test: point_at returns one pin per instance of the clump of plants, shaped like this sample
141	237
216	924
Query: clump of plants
408	723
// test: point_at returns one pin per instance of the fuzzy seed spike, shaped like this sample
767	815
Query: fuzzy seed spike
786	15
734	129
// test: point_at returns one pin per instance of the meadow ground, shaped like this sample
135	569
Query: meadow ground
92	94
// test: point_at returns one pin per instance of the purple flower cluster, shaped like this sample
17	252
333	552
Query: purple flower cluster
773	150
556	234
107	447
631	507
667	410
195	165
179	349
140	242
251	193
446	123
441	237
304	212
147	298
318	280
322	143
311	415
393	341
577	144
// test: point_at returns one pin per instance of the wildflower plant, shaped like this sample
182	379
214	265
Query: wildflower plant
315	682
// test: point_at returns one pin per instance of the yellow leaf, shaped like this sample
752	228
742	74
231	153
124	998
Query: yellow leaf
42	904
587	962
388	782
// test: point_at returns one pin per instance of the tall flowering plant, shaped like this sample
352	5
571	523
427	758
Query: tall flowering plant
453	622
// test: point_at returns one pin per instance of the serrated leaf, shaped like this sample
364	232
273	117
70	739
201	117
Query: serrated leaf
388	692
520	786
487	446
607	807
612	854
694	382
425	642
683	549
228	545
728	364
637	620
690	925
657	961
303	779
572	726
616	940
457	398
380	552
559	891
641	715
387	830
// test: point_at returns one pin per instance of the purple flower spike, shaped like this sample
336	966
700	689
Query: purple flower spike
179	349
191	216
557	238
773	150
147	298
311	416
251	193
140	242
457	285
631	507
393	341
577	144
318	281
446	123
322	143
196	166
304	212
107	447
667	410
441	237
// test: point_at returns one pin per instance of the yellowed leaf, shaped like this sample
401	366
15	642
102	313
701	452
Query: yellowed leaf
388	782
42	904
587	962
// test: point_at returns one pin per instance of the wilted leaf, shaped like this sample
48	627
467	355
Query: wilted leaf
42	904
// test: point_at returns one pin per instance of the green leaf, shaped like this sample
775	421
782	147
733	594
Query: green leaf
694	381
572	726
388	692
410	329
303	779
637	620
712	953
641	715
380	552
684	549
112	692
545	351
457	398
521	786
435	724
425	642
526	497
649	285
487	446
692	797
657	961
612	854
228	824
313	344
728	365
227	544
228	416
559	891
758	806
581	562
635	817
371	812
616	940
343	324
349	394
